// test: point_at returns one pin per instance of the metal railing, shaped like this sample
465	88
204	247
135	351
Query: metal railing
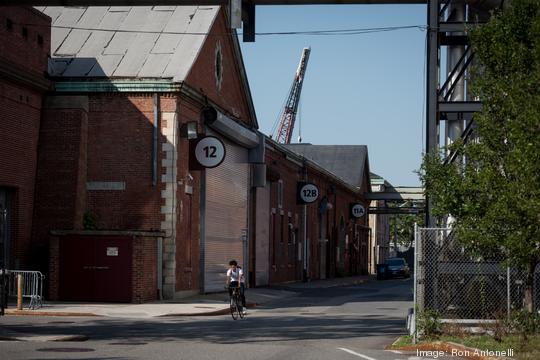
32	286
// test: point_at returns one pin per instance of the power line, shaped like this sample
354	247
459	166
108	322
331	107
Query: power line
346	31
334	32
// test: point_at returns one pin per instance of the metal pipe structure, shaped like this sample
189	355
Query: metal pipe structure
432	79
415	272
454	126
450	102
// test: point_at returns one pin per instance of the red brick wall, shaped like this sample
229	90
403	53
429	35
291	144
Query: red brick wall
53	276
283	257
19	129
61	173
25	52
232	95
144	276
20	107
284	265
188	208
119	149
120	130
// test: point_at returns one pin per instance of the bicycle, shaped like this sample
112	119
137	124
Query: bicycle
236	304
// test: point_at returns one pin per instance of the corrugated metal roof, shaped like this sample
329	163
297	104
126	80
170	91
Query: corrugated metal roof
347	162
127	42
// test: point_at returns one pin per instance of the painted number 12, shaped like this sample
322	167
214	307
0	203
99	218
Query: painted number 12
210	151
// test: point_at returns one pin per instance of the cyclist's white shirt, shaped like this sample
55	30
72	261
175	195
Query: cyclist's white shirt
235	275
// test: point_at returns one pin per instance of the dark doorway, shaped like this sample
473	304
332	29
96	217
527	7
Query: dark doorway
96	268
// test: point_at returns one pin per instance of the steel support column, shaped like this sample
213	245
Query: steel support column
432	85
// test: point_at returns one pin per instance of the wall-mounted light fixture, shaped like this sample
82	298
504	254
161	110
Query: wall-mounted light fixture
189	130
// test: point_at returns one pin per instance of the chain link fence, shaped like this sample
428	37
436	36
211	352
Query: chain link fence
457	285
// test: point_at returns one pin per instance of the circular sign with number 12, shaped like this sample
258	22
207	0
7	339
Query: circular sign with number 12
210	151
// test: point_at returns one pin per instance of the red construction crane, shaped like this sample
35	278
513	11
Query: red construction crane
288	113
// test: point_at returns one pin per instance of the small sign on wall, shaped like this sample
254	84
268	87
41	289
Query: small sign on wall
306	193
207	152
357	210
112	251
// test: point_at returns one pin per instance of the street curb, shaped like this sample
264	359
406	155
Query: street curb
210	313
447	347
357	282
72	338
46	313
82	314
289	286
44	338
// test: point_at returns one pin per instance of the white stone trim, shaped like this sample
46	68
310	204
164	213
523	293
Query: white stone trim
170	152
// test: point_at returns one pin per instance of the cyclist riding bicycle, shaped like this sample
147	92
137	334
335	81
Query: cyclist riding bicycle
235	279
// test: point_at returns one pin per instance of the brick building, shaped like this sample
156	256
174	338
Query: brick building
337	242
115	173
24	51
380	225
110	202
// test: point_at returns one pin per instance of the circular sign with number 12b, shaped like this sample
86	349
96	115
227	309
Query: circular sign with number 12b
210	151
309	193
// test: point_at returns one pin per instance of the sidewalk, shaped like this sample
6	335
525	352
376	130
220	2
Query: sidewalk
206	304
200	305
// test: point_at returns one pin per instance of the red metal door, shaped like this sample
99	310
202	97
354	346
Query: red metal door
95	268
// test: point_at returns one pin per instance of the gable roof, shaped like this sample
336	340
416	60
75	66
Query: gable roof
348	162
127	42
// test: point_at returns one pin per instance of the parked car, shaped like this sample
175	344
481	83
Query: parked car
397	267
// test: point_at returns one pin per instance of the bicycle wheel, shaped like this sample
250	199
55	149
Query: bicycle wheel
239	307
235	312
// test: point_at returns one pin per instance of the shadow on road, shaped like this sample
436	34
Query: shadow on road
219	329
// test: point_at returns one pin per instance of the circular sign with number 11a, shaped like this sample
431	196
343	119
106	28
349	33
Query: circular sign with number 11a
210	151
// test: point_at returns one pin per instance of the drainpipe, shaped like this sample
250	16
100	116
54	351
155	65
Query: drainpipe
306	245
155	141
154	183
160	267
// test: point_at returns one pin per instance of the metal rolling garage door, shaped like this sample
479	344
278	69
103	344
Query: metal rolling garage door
226	216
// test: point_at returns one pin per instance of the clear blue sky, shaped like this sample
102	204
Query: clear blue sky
365	89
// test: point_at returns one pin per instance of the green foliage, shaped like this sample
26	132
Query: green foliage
524	322
429	324
493	189
402	225
89	221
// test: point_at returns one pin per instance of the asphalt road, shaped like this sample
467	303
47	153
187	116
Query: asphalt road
342	323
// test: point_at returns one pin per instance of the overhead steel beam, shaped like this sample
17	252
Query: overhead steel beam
398	194
198	2
403	211
390	196
460	106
